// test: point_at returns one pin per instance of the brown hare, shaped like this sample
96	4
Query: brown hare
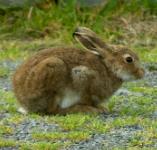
70	80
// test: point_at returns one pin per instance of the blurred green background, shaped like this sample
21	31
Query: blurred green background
45	23
117	21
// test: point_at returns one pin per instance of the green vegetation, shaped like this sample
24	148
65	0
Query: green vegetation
130	23
4	72
5	130
7	143
72	136
40	146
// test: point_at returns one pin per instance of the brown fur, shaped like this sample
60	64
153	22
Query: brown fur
40	82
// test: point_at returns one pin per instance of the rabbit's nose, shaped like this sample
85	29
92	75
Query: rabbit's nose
141	73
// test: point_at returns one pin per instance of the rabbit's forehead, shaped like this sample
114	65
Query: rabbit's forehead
127	52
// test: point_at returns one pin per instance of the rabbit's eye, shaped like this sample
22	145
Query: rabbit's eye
129	59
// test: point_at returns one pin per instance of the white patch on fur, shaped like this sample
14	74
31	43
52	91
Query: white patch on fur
70	98
119	72
22	111
125	76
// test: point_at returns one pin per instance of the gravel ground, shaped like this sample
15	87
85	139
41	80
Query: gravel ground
5	82
115	138
23	130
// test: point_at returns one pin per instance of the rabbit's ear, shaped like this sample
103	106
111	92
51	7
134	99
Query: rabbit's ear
89	40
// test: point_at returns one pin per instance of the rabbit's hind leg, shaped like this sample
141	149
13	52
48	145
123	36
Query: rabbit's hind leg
42	85
22	111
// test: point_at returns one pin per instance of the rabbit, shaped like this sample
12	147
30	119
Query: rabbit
71	80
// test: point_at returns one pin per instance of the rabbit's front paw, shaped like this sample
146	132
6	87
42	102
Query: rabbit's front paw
103	109
22	111
80	109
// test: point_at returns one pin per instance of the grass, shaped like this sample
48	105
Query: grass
132	24
76	136
7	143
40	146
4	72
8	101
5	130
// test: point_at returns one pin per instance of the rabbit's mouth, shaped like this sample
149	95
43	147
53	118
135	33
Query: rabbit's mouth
140	73
127	76
124	75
